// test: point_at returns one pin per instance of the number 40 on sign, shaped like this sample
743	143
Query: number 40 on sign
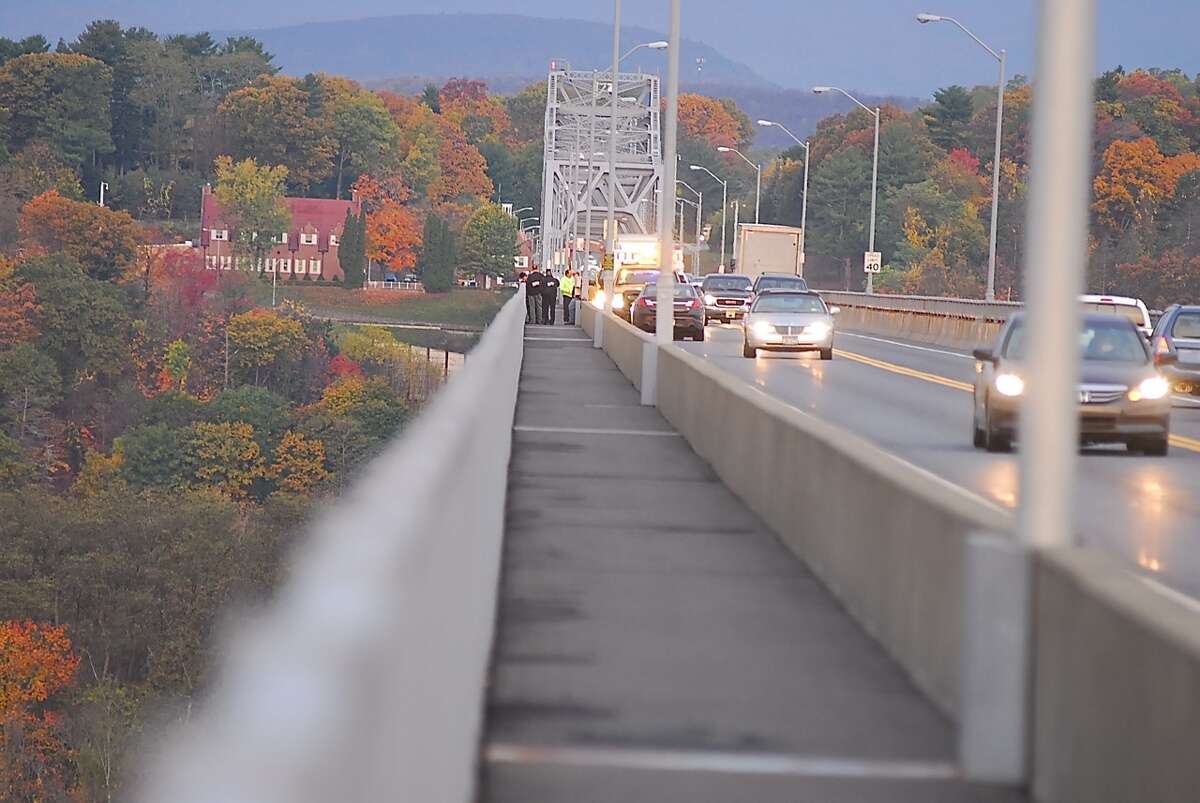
872	261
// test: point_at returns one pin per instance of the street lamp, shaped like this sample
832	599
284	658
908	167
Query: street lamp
699	218
522	209
724	203
660	45
757	169
924	19
804	195
821	90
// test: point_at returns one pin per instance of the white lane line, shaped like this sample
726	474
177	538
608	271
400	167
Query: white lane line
587	340
718	762
907	345
585	431
1184	399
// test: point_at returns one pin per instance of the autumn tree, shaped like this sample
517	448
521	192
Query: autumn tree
37	664
1135	180
226	456
481	117
253	196
462	172
299	465
393	236
60	98
269	122
489	241
262	341
105	242
709	119
527	112
36	169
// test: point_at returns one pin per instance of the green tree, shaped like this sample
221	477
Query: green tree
432	97
351	244
268	413
363	134
837	225
437	255
269	122
15	468
61	98
489	241
949	117
253	195
152	455
527	110
10	49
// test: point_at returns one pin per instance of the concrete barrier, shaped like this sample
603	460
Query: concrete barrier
587	319
631	349
1116	685
949	322
365	679
886	537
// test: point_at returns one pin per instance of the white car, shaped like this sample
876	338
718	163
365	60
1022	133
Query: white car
789	320
1131	308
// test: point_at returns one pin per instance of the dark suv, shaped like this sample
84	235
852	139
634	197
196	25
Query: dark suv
779	281
726	296
1178	333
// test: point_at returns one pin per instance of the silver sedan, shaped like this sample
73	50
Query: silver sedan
789	321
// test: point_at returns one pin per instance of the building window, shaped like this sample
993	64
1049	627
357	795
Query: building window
270	264
285	265
315	267
282	238
221	235
212	262
301	264
333	240
308	239
226	263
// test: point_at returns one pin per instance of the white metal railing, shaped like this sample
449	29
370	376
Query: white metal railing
364	680
929	305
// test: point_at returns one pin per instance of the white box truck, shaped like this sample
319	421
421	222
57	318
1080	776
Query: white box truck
764	248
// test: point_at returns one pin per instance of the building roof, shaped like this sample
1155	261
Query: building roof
325	215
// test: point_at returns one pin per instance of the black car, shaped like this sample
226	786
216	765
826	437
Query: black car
689	311
726	296
1177	333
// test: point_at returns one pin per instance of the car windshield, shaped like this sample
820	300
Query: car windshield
682	291
782	283
727	283
636	276
1187	326
1100	341
788	302
1129	311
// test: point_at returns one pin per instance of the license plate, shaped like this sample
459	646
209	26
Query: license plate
729	315
791	339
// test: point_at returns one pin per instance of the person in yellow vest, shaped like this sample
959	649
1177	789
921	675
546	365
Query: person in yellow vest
566	286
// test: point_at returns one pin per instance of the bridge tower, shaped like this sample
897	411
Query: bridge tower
579	113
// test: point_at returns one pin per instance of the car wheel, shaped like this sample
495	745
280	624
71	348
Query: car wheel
747	351
978	436
827	354
993	441
1153	447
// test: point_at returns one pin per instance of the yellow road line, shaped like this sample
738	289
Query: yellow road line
1178	441
904	371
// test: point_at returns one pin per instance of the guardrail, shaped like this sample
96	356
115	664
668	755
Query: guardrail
952	322
365	679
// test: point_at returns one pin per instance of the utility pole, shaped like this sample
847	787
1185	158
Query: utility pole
665	317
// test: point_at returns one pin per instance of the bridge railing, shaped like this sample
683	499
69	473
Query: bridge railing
364	680
951	322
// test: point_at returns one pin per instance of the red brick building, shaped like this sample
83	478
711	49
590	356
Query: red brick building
309	250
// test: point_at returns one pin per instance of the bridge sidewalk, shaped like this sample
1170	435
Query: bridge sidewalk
657	643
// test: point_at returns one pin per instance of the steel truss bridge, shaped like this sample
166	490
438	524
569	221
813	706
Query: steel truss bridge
578	181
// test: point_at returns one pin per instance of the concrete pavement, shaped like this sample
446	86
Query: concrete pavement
657	643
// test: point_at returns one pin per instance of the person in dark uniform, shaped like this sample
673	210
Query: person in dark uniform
533	296
522	278
549	297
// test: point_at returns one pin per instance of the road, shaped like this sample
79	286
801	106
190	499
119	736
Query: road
916	401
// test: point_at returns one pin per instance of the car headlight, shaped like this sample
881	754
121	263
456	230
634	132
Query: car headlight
618	302
1151	389
762	328
710	299
1009	385
598	300
820	329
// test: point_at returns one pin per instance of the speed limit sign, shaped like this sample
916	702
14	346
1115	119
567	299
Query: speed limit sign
872	261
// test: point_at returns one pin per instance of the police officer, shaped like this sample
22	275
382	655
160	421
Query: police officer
567	286
533	296
549	297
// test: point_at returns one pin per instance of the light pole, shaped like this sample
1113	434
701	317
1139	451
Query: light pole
737	208
724	203
821	90
757	170
103	187
1000	57
665	318
804	194
699	218
517	212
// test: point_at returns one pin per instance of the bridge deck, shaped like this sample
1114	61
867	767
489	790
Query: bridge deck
657	643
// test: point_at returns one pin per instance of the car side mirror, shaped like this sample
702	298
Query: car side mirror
834	310
1166	358
984	355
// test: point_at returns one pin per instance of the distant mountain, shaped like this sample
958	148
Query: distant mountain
475	46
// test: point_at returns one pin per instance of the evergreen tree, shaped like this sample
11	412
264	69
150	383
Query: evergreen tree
949	117
437	255
351	248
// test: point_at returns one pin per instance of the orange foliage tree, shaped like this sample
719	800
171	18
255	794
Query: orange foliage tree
36	663
463	169
710	120
393	236
104	242
1135	178
18	312
482	117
